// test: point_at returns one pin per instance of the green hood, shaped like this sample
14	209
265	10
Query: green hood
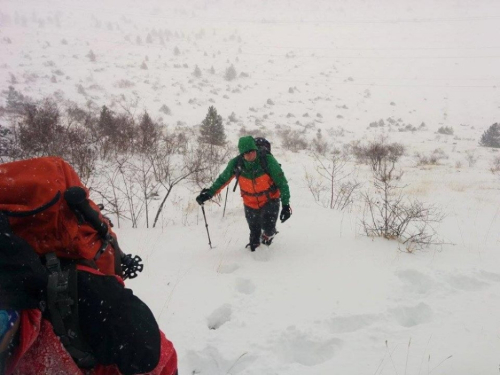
246	144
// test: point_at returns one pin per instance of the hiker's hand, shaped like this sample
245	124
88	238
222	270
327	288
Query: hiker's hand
204	196
286	212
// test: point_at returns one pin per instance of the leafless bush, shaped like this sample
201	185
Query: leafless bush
293	140
376	153
434	158
6	142
214	158
319	145
389	214
40	132
495	164
340	192
253	132
124	84
171	170
447	130
165	109
471	157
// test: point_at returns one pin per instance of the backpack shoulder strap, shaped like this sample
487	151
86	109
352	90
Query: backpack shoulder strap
62	307
237	170
263	160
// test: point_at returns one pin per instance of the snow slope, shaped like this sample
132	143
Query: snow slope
323	299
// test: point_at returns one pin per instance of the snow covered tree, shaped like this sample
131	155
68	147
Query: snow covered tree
230	73
491	137
212	129
91	55
197	72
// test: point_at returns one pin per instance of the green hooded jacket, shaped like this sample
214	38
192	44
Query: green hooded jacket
252	170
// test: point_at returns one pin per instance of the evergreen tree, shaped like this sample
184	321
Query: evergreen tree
491	137
197	72
91	55
149	133
212	129
230	73
106	123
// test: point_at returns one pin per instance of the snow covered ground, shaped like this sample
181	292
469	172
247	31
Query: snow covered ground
323	299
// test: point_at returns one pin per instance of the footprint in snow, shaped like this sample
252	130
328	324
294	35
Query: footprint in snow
410	316
308	350
210	361
228	268
351	323
490	276
416	281
245	286
262	254
466	283
219	317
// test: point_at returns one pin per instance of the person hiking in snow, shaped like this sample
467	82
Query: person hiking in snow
262	184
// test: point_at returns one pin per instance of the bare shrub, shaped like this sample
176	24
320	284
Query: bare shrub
124	84
447	130
165	109
214	157
115	133
495	164
40	132
253	132
6	142
293	140
319	145
471	157
389	214
340	192
377	152
434	158
171	170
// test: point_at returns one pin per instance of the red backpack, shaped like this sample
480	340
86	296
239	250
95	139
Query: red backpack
38	197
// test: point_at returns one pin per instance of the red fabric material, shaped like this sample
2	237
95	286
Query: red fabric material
40	352
81	267
30	184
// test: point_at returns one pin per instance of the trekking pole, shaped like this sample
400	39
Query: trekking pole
225	202
206	225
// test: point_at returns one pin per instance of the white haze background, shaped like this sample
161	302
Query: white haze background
323	299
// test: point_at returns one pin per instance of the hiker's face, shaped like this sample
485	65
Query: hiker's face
250	155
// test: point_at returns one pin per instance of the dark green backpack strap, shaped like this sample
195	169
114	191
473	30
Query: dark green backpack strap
237	170
62	307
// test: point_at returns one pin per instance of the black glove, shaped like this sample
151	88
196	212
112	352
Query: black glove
286	212
204	196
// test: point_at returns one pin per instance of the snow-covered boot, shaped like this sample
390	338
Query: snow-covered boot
267	240
252	246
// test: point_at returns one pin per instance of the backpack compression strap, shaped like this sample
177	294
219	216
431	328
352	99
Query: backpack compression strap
35	211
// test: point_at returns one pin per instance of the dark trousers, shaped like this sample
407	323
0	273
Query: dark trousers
262	219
